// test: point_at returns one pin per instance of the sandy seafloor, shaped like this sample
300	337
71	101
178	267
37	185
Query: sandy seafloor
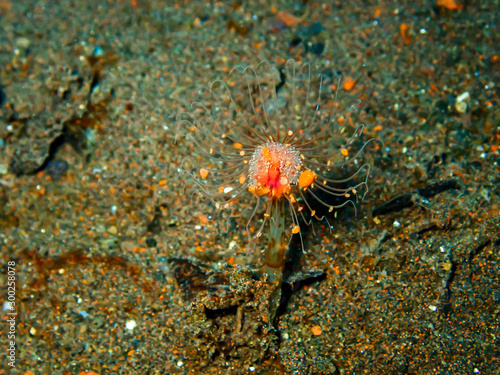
121	269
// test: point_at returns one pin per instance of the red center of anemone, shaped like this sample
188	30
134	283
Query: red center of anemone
273	169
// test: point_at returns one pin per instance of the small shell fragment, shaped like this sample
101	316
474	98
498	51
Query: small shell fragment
203	173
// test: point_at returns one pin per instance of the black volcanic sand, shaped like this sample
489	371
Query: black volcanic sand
121	268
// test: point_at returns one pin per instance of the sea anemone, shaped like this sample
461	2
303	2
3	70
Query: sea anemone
274	134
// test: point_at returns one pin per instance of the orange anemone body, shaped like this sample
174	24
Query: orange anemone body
273	170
